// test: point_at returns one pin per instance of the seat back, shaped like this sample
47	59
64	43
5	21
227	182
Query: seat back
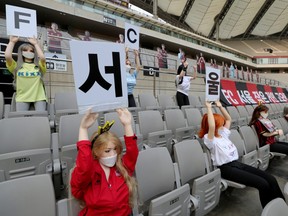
68	137
166	102
31	195
275	207
243	113
65	103
151	182
27	151
194	118
148	101
195	101
151	127
252	143
176	122
277	124
247	158
118	129
29	113
174	203
236	119
192	167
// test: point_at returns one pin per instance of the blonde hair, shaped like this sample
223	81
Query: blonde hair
100	144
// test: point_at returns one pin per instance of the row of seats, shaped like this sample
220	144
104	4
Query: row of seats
31	132
173	188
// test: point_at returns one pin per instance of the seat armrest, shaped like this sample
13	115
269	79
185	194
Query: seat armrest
55	153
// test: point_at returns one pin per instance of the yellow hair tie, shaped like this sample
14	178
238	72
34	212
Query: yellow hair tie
105	128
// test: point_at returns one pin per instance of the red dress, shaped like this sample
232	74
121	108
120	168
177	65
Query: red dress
89	183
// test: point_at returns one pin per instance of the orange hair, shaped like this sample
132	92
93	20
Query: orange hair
219	122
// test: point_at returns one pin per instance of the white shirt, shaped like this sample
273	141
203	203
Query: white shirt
184	87
222	149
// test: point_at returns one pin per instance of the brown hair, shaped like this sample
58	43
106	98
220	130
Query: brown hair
219	122
100	144
256	113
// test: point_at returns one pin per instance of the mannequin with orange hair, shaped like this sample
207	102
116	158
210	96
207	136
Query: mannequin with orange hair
215	133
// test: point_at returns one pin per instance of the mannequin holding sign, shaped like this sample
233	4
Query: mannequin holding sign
182	83
103	178
215	131
131	75
266	131
28	72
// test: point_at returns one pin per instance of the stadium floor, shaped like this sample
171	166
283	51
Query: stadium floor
245	202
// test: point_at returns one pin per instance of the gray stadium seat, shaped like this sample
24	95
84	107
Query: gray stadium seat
176	122
148	102
276	207
236	119
194	118
195	101
65	103
27	196
252	143
67	139
25	147
118	129
167	102
245	157
152	128
277	124
30	113
155	176
243	113
192	167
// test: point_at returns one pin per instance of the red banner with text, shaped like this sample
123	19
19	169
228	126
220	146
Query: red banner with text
240	93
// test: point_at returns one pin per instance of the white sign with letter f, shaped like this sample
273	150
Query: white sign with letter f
21	21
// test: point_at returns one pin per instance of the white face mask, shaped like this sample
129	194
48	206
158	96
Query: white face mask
28	55
128	68
108	161
264	115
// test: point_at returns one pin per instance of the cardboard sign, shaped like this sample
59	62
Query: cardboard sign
132	36
21	21
99	75
212	84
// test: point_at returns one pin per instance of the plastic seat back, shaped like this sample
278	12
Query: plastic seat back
176	122
31	195
275	207
25	147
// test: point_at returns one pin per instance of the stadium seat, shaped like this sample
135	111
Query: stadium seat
30	113
192	167
252	143
118	129
152	128
166	102
27	196
25	148
277	124
245	157
148	102
155	175
243	113
67	139
195	101
65	103
176	122
275	207
236	119
194	118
